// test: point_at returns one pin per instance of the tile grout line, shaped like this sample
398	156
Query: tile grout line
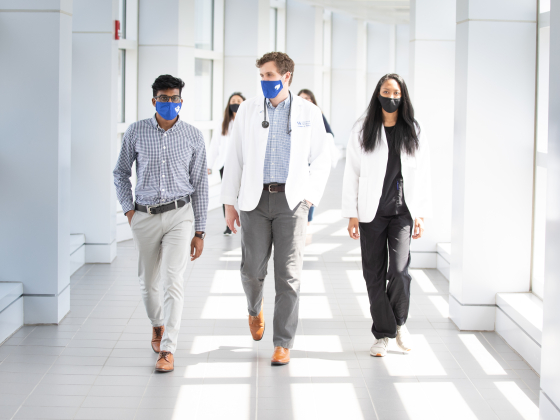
57	357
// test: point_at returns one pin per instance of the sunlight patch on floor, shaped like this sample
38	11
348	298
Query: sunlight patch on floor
312	281
488	363
441	305
319	343
434	400
314	307
226	281
329	400
528	408
423	281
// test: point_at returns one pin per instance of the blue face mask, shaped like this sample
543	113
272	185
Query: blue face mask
271	88
168	110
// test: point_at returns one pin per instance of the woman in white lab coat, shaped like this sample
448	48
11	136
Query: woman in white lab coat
218	146
386	195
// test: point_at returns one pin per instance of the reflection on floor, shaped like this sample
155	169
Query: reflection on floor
98	363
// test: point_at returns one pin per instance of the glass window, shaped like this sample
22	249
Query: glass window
122	18
273	28
544	6
204	24
121	86
541	149
203	89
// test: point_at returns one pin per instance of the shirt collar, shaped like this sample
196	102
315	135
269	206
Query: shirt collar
282	105
155	124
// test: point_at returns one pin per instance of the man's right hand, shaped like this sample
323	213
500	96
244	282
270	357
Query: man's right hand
129	215
231	217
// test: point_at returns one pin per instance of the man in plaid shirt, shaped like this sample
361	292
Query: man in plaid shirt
171	195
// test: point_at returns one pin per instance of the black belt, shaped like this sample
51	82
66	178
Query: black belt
274	188
163	207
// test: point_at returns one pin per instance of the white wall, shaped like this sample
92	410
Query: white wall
431	84
344	109
381	50
492	156
402	47
94	126
550	365
36	51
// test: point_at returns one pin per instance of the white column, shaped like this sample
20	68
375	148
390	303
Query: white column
492	156
165	46
431	83
380	53
402	48
36	51
246	35
550	363
361	68
94	127
348	71
304	45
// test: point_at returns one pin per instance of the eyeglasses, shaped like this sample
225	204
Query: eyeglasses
164	98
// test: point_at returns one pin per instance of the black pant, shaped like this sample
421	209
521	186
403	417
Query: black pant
222	177
388	303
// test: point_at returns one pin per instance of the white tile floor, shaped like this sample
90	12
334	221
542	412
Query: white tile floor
98	364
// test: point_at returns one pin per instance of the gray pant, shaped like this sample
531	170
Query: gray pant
163	244
272	222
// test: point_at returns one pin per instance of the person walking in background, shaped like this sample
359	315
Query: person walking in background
309	96
277	166
219	143
386	195
171	196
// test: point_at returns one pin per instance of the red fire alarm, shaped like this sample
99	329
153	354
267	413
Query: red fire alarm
117	29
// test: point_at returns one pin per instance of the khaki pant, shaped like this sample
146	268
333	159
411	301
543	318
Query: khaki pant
163	244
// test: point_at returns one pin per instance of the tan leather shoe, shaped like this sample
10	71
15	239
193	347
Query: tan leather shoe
157	333
256	325
165	362
280	357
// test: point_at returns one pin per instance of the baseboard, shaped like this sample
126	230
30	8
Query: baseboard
46	309
472	317
444	259
11	319
547	409
101	253
423	259
518	340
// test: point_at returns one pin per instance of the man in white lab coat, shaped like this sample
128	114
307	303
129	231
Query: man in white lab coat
277	166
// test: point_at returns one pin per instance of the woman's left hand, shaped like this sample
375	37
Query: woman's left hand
418	228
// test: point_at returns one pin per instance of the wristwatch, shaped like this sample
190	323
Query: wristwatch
200	235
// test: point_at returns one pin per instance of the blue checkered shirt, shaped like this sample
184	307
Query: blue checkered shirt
169	165
277	157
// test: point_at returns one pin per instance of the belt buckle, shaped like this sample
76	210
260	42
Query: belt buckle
149	209
272	185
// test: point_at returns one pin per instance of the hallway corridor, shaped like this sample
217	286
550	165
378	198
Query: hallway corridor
98	364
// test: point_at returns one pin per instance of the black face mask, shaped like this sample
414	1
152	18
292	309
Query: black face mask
233	107
388	104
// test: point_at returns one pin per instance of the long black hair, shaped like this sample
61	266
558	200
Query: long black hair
228	114
405	137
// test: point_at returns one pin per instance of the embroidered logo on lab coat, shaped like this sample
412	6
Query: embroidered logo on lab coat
303	123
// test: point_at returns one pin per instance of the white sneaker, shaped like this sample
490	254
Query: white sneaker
403	338
379	348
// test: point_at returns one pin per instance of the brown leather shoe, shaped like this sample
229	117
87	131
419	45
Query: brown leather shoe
157	333
280	357
256	325
165	362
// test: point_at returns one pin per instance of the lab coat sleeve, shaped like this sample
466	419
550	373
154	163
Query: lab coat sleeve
214	149
424	181
319	159
233	167
350	183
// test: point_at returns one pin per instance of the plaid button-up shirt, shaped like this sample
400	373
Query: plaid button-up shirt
277	157
169	165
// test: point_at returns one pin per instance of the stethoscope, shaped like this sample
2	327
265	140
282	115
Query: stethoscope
265	123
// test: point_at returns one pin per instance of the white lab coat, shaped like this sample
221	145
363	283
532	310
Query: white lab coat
365	172
218	148
310	159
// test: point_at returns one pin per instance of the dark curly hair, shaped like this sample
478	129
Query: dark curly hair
283	63
166	81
